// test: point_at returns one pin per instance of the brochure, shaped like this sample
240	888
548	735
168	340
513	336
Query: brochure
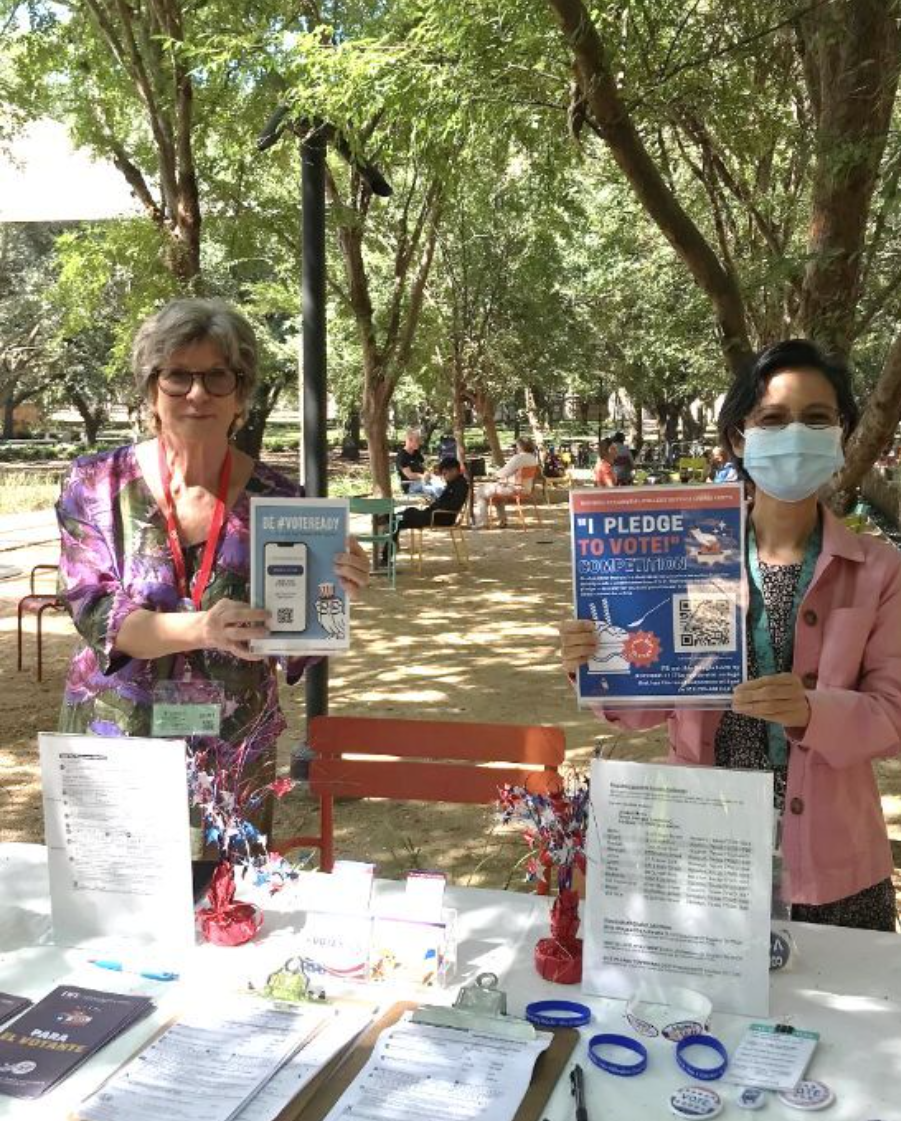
69	1025
660	572
293	545
11	1006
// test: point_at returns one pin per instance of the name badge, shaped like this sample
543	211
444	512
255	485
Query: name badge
186	708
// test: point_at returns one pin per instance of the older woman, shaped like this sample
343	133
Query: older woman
155	543
823	699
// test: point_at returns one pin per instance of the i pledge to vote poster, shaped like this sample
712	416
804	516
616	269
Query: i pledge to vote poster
659	572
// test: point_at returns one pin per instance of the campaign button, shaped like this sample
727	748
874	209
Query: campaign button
696	1101
808	1095
751	1097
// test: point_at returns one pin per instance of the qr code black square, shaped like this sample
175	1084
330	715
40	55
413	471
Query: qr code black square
703	624
284	616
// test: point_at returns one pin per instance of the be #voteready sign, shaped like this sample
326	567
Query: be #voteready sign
660	573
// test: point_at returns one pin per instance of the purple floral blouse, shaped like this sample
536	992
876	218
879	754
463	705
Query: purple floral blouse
115	558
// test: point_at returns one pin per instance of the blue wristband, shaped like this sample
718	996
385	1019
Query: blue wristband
557	1013
706	1074
622	1069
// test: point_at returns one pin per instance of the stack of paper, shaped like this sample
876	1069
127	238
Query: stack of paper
63	1030
208	1065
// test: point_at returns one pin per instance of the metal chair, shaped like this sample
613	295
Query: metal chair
521	489
457	536
37	602
422	760
384	524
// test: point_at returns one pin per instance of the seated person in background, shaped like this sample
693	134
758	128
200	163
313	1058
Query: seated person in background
553	466
445	508
410	463
623	464
722	469
603	470
504	487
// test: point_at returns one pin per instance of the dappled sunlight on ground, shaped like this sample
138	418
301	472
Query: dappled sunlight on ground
478	645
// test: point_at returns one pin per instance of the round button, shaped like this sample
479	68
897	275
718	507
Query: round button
808	1095
696	1102
809	681
810	617
752	1098
796	805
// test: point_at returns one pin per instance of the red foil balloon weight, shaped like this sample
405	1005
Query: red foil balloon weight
225	922
559	958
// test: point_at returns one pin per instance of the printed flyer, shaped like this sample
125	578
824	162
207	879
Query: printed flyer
293	545
659	570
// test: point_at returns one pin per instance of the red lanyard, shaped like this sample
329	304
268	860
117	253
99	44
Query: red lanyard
209	552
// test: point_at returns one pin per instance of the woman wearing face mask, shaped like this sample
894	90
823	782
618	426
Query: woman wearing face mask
823	699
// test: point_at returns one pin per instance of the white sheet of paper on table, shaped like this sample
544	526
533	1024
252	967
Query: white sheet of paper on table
444	1074
118	839
300	1069
679	883
208	1066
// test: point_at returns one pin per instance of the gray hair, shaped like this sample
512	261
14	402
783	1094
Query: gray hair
187	321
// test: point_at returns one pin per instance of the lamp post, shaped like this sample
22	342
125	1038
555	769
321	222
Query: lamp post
313	381
314	138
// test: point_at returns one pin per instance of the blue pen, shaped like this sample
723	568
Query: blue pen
118	967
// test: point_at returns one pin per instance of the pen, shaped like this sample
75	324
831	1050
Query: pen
150	975
577	1085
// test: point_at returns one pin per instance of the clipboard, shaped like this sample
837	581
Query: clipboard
323	1092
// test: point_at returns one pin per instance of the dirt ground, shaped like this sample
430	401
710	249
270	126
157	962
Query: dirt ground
450	645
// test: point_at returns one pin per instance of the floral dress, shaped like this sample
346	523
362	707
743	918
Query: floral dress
741	743
115	558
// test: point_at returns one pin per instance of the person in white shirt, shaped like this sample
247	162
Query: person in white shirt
504	487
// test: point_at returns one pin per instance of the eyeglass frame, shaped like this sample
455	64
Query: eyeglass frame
159	371
836	420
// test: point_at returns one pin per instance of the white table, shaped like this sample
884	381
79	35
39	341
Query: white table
847	986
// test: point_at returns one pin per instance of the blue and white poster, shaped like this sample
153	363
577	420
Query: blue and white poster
659	571
293	545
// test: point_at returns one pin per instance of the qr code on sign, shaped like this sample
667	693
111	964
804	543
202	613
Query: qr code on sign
284	616
704	623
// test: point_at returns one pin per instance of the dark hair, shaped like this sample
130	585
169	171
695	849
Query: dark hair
749	387
619	437
448	463
526	444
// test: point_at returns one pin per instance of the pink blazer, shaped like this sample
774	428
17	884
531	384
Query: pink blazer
848	654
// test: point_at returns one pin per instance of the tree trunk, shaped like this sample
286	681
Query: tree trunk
350	445
9	409
876	428
851	54
538	433
613	123
485	407
376	399
249	437
638	442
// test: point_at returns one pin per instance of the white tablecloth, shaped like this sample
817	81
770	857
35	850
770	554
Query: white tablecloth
847	986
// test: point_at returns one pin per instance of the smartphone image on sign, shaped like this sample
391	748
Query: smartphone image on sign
285	591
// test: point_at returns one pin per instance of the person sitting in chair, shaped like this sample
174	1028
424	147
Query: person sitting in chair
411	470
445	508
505	484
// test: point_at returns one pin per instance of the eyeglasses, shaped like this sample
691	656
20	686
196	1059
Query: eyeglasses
218	381
775	419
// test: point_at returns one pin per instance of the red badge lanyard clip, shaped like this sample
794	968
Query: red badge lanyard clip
209	552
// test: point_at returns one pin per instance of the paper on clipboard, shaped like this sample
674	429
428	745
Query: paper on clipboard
443	1073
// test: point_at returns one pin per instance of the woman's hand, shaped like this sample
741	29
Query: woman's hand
352	568
230	626
578	643
780	698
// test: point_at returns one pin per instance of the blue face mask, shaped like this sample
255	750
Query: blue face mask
793	462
